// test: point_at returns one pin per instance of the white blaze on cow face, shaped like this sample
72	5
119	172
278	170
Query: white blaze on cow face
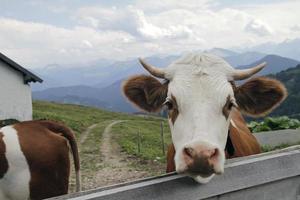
199	83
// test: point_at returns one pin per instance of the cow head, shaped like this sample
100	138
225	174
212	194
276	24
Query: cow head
199	93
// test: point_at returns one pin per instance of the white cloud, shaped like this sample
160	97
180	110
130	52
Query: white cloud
35	44
259	28
145	28
295	28
129	19
87	43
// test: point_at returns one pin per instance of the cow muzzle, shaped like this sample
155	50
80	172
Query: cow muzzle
202	160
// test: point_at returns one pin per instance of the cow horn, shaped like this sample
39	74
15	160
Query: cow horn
241	74
152	70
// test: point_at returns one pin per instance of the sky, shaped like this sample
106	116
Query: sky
36	33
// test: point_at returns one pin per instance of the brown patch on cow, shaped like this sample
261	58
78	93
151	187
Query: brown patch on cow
243	141
170	159
62	130
146	92
259	96
47	154
3	160
227	107
173	113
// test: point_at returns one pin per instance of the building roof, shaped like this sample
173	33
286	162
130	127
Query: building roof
28	76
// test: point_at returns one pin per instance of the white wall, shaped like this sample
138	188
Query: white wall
15	96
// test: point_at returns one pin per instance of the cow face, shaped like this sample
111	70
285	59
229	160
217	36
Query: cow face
199	93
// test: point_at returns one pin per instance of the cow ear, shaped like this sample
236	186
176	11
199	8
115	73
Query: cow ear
259	96
146	92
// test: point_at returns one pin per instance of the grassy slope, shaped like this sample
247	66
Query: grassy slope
150	137
76	117
80	117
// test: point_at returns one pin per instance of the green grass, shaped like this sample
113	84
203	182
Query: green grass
266	148
74	116
80	118
150	137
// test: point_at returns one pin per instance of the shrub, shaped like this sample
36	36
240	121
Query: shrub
274	123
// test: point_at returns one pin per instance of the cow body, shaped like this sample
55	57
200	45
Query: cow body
241	142
34	160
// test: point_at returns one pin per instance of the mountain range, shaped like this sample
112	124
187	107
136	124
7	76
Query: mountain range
288	48
105	90
275	64
95	75
291	80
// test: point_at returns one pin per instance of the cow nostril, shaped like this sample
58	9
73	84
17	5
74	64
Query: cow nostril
214	153
189	151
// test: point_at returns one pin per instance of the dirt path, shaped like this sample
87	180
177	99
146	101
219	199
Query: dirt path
86	133
116	164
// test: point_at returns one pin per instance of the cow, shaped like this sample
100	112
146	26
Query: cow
34	160
201	96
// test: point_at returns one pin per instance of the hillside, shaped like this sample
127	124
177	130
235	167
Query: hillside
288	48
291	79
244	58
275	64
109	98
80	95
98	74
100	133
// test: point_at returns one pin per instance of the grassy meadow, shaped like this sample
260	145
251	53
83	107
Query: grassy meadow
149	136
79	118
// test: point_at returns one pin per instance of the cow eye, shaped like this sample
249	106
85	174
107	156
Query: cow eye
169	104
230	105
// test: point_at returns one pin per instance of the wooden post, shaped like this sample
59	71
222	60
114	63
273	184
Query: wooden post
139	142
162	137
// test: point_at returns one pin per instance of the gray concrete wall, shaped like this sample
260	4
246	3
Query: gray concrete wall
273	175
275	138
15	99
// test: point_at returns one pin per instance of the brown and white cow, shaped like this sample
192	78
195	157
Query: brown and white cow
34	160
201	97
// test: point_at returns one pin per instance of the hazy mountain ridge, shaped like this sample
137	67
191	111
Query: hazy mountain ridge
275	64
291	80
288	48
111	97
102	73
244	58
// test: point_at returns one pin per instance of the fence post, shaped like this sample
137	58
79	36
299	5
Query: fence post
162	137
139	141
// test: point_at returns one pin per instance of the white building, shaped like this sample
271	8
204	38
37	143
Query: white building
15	91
